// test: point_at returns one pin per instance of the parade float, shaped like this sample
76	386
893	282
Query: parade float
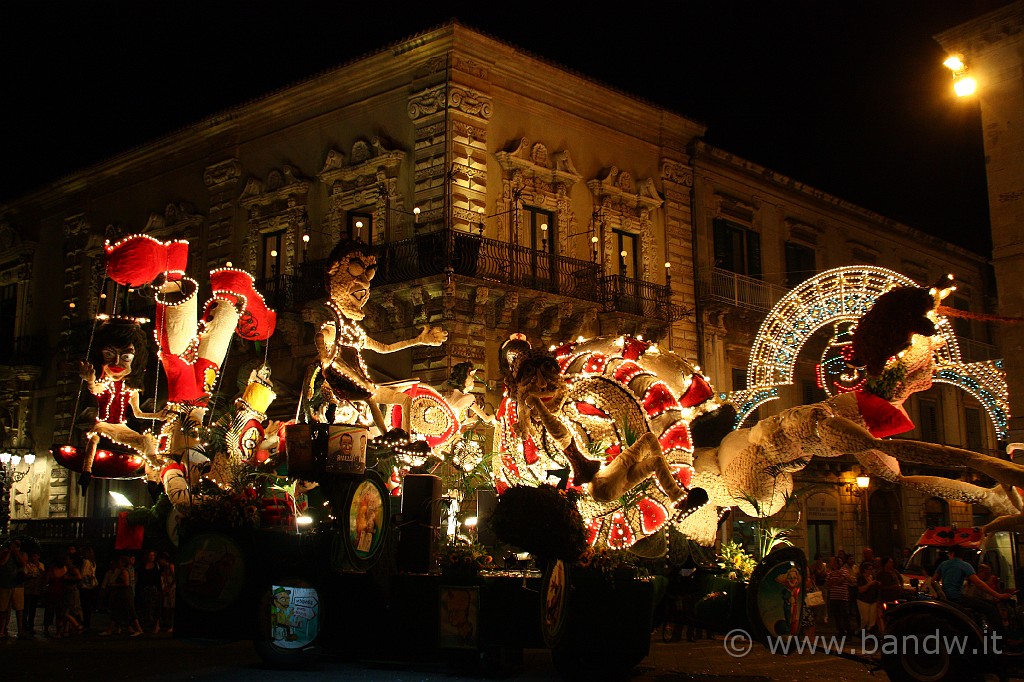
325	533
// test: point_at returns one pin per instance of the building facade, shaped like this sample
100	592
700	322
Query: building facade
505	194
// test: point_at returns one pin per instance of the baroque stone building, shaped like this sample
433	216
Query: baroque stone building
505	194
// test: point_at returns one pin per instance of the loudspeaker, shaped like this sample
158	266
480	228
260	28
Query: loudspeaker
420	527
486	501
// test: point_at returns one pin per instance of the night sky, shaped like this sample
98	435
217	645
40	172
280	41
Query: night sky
847	96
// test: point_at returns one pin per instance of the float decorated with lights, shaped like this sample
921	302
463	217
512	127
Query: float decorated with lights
610	417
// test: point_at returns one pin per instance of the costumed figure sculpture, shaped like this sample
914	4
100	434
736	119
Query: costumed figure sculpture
191	350
341	387
894	345
457	392
604	398
114	449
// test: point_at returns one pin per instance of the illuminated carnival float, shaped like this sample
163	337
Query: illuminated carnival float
600	446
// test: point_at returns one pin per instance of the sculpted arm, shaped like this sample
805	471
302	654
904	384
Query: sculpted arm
430	336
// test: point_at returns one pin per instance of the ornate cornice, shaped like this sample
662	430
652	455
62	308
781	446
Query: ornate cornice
362	167
977	35
15	252
179	217
533	160
222	173
456	97
677	172
281	185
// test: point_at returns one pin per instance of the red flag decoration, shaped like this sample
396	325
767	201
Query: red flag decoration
129	535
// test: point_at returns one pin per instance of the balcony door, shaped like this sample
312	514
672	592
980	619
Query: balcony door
627	249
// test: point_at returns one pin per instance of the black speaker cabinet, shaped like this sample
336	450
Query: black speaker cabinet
421	523
486	501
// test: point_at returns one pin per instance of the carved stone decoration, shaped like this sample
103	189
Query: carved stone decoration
674	171
469	101
471	67
368	178
277	204
536	177
626	205
222	173
16	257
427	102
176	220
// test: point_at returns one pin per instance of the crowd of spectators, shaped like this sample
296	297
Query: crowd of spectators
58	596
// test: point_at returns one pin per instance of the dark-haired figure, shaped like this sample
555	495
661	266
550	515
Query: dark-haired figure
121	355
546	409
341	341
458	392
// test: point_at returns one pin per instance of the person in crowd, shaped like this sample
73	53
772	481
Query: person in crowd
35	580
119	600
12	592
1011	628
890	581
853	568
89	587
819	570
838	589
986	575
53	595
868	591
809	619
953	573
149	595
69	617
133	606
168	586
103	603
904	559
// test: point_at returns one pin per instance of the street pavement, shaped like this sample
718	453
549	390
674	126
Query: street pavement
152	657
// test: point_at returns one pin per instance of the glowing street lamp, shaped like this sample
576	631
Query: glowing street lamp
963	85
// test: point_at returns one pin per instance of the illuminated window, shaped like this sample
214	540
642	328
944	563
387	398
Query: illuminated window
928	422
273	253
800	263
820	538
972	429
359	225
629	265
961	326
737	249
541	238
936	512
8	318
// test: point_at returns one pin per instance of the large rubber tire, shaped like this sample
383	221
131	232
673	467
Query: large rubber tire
912	665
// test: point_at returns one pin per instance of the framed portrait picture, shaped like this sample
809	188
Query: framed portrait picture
368	511
458	617
554	602
775	596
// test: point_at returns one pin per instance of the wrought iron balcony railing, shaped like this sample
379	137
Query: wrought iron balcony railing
461	253
740	291
627	295
976	351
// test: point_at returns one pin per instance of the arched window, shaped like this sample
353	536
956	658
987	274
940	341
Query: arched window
936	512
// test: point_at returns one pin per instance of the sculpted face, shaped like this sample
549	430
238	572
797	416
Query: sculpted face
920	362
117	362
348	283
